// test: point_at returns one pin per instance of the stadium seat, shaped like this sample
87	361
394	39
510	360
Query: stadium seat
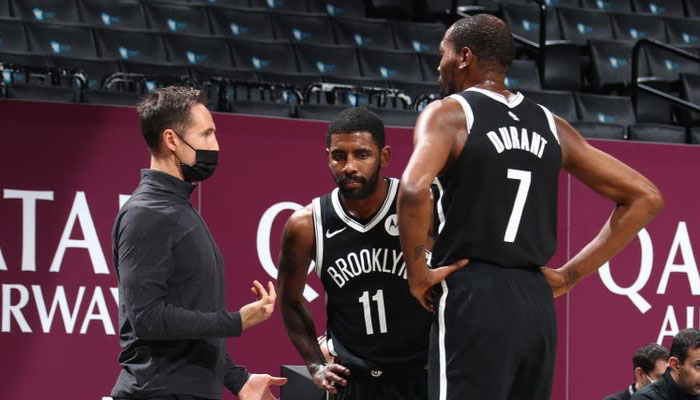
523	75
125	14
562	3
110	97
608	5
605	109
140	46
61	40
202	74
41	93
262	108
263	55
394	9
179	18
524	21
395	65
339	8
580	25
429	64
683	31
690	91
328	60
416	89
611	63
225	3
560	103
657	133
695	135
5	9
12	36
419	37
167	72
95	70
692	8
282	5
637	26
303	28
667	65
598	130
55	11
203	51
659	7
298	79
394	117
241	24
365	33
651	108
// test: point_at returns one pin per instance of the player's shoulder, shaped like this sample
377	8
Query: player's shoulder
300	222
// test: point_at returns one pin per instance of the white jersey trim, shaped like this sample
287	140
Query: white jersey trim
550	120
318	232
441	342
469	114
388	200
440	211
513	102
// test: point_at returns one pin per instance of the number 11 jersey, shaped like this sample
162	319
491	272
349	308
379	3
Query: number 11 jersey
373	320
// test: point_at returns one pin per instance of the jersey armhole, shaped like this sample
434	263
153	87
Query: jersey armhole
469	115
550	121
318	233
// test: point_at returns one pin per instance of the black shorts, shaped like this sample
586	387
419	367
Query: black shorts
397	387
493	335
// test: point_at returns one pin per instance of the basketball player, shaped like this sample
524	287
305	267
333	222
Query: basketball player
377	332
497	157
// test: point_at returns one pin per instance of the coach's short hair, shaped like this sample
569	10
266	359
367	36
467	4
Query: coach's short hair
684	340
487	36
357	120
647	356
165	108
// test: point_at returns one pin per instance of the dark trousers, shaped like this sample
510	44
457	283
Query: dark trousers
398	387
167	397
493	336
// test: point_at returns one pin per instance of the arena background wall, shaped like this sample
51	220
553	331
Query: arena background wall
65	169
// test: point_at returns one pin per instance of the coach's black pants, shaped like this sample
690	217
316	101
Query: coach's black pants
413	386
493	335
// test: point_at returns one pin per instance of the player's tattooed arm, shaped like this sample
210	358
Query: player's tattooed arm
637	202
298	246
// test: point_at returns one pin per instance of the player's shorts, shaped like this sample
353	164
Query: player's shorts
362	385
493	335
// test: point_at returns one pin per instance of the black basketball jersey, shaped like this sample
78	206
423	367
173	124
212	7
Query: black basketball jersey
373	320
498	201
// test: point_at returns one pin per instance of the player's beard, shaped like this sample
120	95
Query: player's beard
367	186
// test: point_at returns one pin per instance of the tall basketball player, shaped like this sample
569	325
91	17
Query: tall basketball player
497	157
376	330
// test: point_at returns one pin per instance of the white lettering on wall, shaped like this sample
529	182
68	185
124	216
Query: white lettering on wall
688	266
29	199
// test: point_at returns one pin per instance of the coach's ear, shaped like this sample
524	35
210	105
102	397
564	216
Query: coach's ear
385	156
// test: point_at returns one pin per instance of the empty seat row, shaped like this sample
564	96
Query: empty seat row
581	25
678	8
116	12
258	24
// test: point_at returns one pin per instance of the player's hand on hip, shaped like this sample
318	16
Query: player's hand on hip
260	310
258	387
326	376
422	290
557	280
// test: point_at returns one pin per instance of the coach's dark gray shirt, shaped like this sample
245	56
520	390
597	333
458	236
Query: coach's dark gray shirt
172	313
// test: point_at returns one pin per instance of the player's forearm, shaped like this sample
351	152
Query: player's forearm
162	321
622	226
302	332
414	222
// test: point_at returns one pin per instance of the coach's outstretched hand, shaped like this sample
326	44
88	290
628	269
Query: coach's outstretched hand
260	310
258	387
557	280
325	376
422	288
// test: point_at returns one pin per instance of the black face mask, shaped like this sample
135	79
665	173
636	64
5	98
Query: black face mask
204	164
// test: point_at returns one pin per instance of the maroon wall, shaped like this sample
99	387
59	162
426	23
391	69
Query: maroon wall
63	168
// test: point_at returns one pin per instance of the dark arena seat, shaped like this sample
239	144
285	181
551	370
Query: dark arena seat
54	11
282	5
203	51
263	55
401	65
560	103
364	33
180	18
523	75
241	23
70	41
605	109
524	21
339	8
419	37
611	63
668	65
638	26
690	91
328	60
225	3
124	14
303	28
598	130
4	8
659	7
429	64
140	46
12	36
683	31
608	5
580	25
657	133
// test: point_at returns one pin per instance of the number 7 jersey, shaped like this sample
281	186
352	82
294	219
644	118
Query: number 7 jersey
497	203
373	319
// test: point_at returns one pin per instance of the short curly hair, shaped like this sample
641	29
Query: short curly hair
488	37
